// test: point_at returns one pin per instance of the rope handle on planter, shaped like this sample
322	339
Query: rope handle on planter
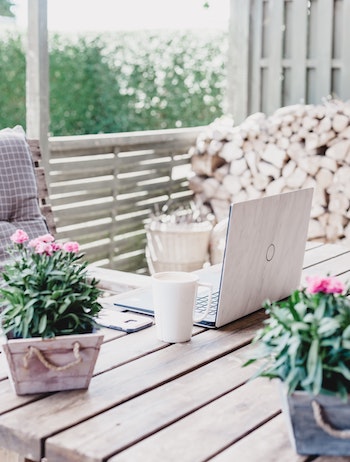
326	427
35	351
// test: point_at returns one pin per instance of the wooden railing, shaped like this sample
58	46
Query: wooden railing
103	189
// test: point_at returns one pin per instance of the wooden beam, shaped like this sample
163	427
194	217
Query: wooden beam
238	60
37	77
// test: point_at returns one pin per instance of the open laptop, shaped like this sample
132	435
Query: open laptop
264	252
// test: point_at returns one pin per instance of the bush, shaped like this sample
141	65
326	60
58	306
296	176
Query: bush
122	82
12	81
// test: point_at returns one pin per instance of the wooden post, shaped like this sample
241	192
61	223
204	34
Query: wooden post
37	77
238	60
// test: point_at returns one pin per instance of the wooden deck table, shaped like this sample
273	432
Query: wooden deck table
152	401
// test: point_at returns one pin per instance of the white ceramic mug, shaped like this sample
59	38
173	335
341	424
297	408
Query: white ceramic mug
174	297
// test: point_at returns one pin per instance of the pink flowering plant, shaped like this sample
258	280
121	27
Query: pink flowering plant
305	341
46	292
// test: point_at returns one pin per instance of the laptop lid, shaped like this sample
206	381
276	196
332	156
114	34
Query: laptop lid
264	251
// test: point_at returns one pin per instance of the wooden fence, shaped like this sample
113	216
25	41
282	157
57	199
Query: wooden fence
104	187
285	52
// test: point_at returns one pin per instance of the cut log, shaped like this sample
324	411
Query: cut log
338	204
319	196
296	179
269	170
196	184
310	164
317	211
324	178
230	151
258	146
327	137
283	142
276	186
339	150
335	227
296	150
274	155
312	141
309	123
221	172
246	179
210	185
252	192
345	133
206	164
342	175
239	166
316	230
286	131
328	163
252	161
289	168
325	125
220	208
260	182
222	193
214	147
232	184
340	122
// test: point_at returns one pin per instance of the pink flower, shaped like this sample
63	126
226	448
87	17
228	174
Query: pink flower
56	246
46	238
19	236
71	246
335	286
33	242
327	285
43	248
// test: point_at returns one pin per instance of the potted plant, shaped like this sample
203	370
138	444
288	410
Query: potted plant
305	343
178	237
48	309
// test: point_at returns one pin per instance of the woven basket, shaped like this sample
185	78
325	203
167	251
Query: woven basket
177	247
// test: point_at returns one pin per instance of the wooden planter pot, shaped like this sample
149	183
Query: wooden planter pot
39	365
317	425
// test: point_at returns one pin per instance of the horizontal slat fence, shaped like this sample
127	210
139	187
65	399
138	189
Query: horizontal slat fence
103	189
284	52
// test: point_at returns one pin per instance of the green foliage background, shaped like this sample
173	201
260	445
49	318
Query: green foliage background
121	82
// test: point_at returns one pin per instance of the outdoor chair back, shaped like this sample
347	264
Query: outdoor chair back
23	192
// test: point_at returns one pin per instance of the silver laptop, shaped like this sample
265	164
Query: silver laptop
264	252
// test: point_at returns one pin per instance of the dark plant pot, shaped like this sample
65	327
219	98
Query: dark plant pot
39	365
317	425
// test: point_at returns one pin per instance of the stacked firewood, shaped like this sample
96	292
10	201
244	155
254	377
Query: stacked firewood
298	146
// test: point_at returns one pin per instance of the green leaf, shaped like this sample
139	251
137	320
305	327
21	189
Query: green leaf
327	327
42	324
346	333
320	309
312	359
343	369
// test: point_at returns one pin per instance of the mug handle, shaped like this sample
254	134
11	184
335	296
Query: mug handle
210	293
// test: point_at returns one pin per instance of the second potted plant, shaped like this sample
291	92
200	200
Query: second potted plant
48	316
305	343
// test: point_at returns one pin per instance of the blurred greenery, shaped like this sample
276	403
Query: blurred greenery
121	82
5	8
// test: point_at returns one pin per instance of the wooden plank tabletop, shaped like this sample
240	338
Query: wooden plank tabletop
153	401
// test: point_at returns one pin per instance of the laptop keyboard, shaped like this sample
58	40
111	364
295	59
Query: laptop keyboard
202	301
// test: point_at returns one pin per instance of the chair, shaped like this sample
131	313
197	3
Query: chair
43	192
23	191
